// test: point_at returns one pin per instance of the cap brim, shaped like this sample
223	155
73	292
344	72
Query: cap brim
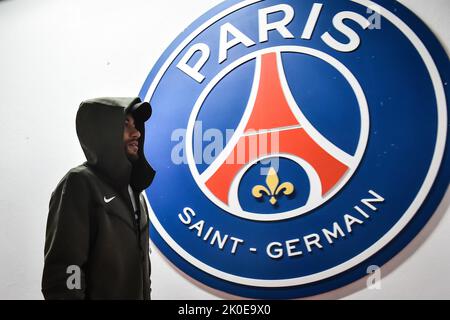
141	111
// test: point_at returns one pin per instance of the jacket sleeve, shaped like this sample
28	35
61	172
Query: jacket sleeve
144	211
67	240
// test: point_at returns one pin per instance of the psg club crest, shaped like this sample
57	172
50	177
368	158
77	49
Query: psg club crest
297	144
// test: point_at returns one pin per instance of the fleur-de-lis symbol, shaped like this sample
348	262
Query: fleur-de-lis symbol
274	188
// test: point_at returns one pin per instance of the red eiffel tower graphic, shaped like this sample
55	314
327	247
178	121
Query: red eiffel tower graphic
272	118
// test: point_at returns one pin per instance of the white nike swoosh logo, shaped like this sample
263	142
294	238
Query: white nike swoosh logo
109	200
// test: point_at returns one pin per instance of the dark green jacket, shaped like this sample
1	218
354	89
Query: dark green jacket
91	222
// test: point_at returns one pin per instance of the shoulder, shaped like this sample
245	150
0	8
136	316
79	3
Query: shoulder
143	202
79	177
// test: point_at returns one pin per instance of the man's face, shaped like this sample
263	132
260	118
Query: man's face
130	138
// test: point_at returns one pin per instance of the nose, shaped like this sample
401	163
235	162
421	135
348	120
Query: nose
135	133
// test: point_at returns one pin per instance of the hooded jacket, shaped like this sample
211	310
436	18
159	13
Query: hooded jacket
93	232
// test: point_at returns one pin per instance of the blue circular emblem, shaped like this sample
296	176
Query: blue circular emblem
296	143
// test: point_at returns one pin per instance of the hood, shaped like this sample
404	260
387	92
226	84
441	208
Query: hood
100	125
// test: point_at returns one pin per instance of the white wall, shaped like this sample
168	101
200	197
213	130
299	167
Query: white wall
56	53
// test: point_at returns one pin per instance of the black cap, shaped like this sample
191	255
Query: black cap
141	111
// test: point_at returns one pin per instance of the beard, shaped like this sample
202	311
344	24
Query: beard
131	156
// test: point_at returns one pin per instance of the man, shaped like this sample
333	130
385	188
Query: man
97	240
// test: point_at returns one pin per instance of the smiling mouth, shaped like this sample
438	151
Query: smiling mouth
133	145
